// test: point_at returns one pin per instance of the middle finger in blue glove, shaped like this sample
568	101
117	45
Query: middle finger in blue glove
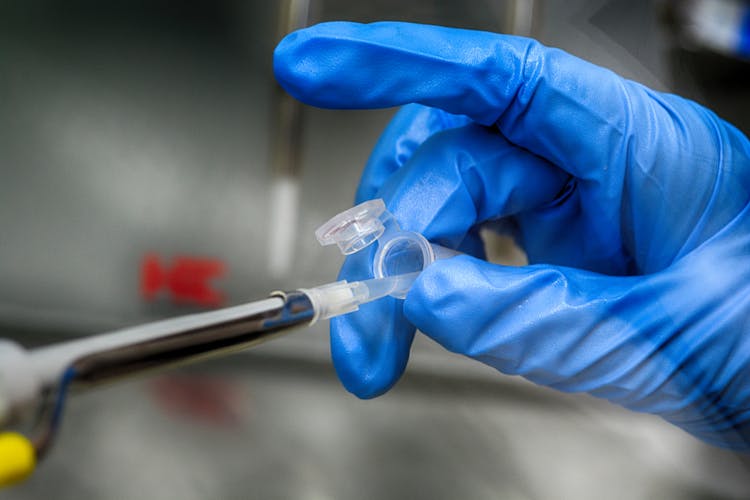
412	125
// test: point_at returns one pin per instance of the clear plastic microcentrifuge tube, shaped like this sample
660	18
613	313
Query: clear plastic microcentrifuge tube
399	252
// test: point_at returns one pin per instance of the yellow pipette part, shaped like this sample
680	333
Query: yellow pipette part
17	458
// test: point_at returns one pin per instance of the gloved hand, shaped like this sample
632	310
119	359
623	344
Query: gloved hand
631	204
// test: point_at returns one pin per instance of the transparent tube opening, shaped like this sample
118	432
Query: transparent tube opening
401	255
405	253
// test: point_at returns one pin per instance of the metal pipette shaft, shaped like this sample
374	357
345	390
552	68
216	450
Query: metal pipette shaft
134	350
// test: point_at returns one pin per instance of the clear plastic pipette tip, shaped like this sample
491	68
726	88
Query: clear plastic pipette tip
342	297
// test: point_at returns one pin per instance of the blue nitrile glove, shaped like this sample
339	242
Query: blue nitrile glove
631	204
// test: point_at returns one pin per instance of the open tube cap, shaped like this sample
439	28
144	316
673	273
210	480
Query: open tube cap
355	228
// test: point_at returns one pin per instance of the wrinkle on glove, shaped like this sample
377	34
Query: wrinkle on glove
631	204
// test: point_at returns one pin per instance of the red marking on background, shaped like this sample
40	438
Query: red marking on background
186	280
211	400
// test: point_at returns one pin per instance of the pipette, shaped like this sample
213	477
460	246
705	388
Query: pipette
35	383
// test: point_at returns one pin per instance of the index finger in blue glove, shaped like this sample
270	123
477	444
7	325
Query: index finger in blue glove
370	348
552	103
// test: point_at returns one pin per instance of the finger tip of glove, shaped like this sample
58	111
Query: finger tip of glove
306	67
287	70
360	373
370	350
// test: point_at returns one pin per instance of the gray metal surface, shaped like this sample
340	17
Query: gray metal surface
295	434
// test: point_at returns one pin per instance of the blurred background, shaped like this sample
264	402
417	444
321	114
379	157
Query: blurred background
150	167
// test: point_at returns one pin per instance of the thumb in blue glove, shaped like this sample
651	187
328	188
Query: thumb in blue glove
631	205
